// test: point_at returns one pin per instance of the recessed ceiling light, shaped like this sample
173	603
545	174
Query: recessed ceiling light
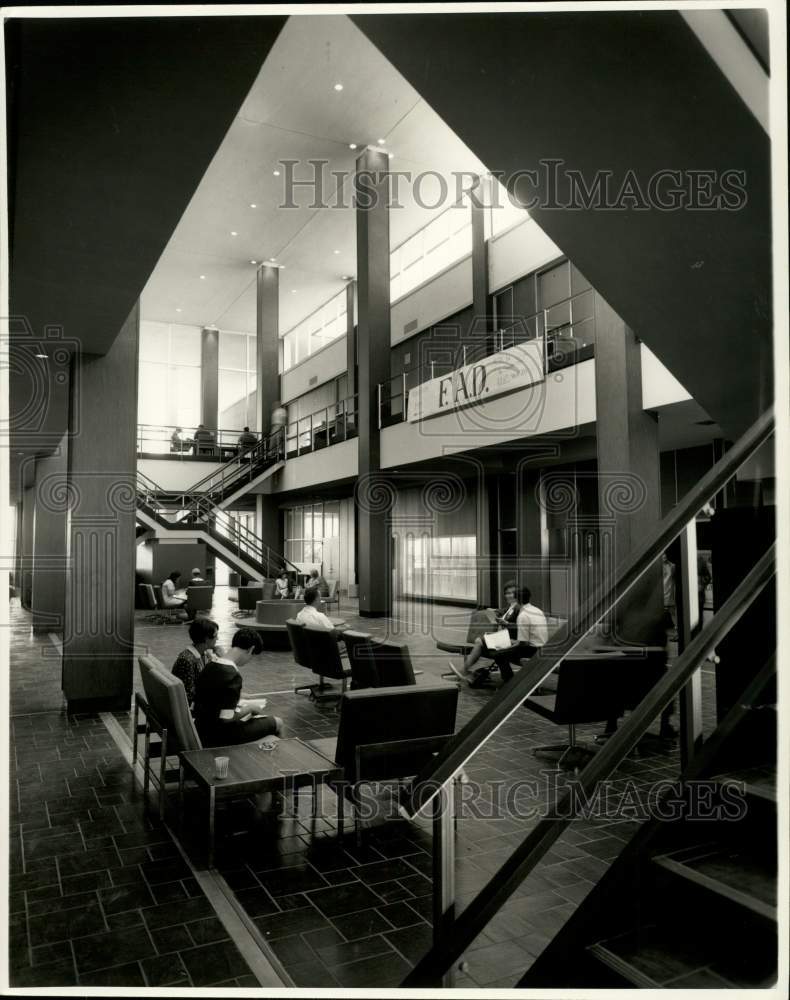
178	310
335	251
391	156
233	232
281	266
381	141
253	205
45	356
253	262
352	145
202	277
272	259
276	173
293	291
338	87
345	277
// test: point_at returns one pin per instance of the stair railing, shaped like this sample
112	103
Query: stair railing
244	466
202	514
435	785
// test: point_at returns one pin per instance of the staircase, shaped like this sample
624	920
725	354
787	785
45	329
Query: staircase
196	517
691	899
691	903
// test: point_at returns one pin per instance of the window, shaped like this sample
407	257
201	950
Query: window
440	567
320	328
237	390
169	378
308	529
445	240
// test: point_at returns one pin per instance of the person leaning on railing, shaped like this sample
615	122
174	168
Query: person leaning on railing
247	440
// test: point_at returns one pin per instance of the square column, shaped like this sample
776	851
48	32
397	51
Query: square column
98	633
49	540
209	378
267	324
373	352
629	475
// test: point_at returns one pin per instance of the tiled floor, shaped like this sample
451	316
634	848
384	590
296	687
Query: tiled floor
101	895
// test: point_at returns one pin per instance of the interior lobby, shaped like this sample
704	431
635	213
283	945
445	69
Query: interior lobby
393	499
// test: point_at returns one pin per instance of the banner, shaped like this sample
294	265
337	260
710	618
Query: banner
514	368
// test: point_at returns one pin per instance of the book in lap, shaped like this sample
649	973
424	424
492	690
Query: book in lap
496	641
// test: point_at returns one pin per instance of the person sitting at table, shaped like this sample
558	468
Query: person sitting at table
316	582
176	441
203	440
169	586
222	716
282	586
190	661
531	634
247	440
310	615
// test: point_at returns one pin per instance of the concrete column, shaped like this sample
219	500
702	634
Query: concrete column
629	476
25	546
351	339
267	522
480	289
49	541
532	536
209	378
373	352
269	346
98	635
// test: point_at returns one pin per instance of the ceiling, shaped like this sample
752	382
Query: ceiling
293	112
111	124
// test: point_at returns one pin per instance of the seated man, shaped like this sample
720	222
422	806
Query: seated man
531	633
310	615
247	440
222	716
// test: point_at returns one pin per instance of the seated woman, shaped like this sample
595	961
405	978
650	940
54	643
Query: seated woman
528	631
282	587
190	661
317	583
222	716
169	586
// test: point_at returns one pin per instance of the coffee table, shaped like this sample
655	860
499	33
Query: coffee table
291	765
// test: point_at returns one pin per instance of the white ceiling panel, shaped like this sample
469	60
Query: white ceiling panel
293	112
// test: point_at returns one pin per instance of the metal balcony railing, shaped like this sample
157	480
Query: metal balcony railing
330	425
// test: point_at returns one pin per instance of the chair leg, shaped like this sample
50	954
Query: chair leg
162	774
341	811
147	762
135	724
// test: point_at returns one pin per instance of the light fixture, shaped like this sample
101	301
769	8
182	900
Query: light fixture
352	145
253	262
178	309
202	277
276	173
345	277
335	251
381	141
272	259
293	291
44	356
338	87
253	205
233	232
391	156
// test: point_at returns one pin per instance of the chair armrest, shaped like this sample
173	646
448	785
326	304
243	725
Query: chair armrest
459	648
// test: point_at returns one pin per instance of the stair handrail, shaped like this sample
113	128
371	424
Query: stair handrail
452	757
243	461
466	928
454	936
261	553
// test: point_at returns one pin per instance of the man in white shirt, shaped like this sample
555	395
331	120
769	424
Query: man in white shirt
532	633
310	615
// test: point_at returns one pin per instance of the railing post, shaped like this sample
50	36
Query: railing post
403	396
379	403
689	618
444	869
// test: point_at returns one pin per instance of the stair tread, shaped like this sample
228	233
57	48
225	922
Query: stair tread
652	958
758	781
736	873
